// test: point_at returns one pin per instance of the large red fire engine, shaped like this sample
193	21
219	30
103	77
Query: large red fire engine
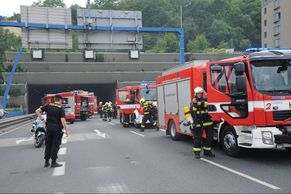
93	104
48	98
70	115
249	99
78	101
127	99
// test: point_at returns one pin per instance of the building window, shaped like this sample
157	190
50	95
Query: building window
265	45
277	17
276	4
277	42
265	10
277	30
265	22
265	34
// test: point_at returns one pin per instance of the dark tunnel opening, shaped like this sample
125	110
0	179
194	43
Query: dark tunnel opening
104	92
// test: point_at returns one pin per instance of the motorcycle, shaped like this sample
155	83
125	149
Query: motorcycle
39	130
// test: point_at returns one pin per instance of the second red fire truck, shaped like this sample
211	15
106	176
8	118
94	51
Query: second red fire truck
128	101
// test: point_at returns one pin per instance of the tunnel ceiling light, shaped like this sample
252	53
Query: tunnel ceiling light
134	54
37	54
89	54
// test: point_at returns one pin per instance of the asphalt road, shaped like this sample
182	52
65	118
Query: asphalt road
103	157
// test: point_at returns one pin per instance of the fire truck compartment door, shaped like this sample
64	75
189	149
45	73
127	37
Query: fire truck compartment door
184	99
161	105
171	104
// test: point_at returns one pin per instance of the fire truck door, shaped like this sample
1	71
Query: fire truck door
161	105
184	99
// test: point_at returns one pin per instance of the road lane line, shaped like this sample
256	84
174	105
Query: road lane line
60	171
30	123
137	133
100	134
24	139
64	140
164	130
241	174
111	124
62	151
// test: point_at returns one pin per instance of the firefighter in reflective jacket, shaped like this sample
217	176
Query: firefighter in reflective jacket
100	109
202	120
107	109
148	108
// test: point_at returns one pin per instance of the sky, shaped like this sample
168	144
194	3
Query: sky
13	6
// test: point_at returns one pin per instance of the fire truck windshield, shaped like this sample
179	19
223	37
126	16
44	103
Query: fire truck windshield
272	76
148	94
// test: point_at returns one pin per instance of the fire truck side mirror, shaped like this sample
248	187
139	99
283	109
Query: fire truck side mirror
239	68
241	84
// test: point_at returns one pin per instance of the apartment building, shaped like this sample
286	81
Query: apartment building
276	23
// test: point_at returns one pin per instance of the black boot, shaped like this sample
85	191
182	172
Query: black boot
209	154
55	164
47	163
197	155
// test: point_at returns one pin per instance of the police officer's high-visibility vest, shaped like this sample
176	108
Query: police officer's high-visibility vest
200	114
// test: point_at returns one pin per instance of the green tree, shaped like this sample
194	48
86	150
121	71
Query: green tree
49	3
199	44
8	41
169	43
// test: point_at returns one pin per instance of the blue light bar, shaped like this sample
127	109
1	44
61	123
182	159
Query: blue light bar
250	50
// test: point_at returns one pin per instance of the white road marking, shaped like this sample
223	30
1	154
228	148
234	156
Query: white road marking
30	123
60	171
164	130
24	139
241	174
62	151
137	133
111	123
64	140
100	134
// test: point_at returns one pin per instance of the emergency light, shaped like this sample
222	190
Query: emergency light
252	50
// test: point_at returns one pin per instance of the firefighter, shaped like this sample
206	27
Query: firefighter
148	114
107	108
202	120
100	109
114	107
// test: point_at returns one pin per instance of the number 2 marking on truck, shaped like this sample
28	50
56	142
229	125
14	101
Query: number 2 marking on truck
268	106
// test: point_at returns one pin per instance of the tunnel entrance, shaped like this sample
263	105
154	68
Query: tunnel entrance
104	92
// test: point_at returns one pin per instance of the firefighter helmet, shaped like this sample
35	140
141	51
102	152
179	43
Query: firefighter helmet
198	90
142	100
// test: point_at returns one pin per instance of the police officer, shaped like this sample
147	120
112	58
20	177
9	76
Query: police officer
148	114
54	124
202	120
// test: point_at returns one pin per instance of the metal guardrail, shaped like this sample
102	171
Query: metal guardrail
15	120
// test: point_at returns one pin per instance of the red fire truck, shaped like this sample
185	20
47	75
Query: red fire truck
48	98
249	99
127	99
93	104
78	101
70	115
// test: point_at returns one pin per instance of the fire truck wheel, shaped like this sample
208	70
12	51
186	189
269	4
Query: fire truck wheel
229	141
173	133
